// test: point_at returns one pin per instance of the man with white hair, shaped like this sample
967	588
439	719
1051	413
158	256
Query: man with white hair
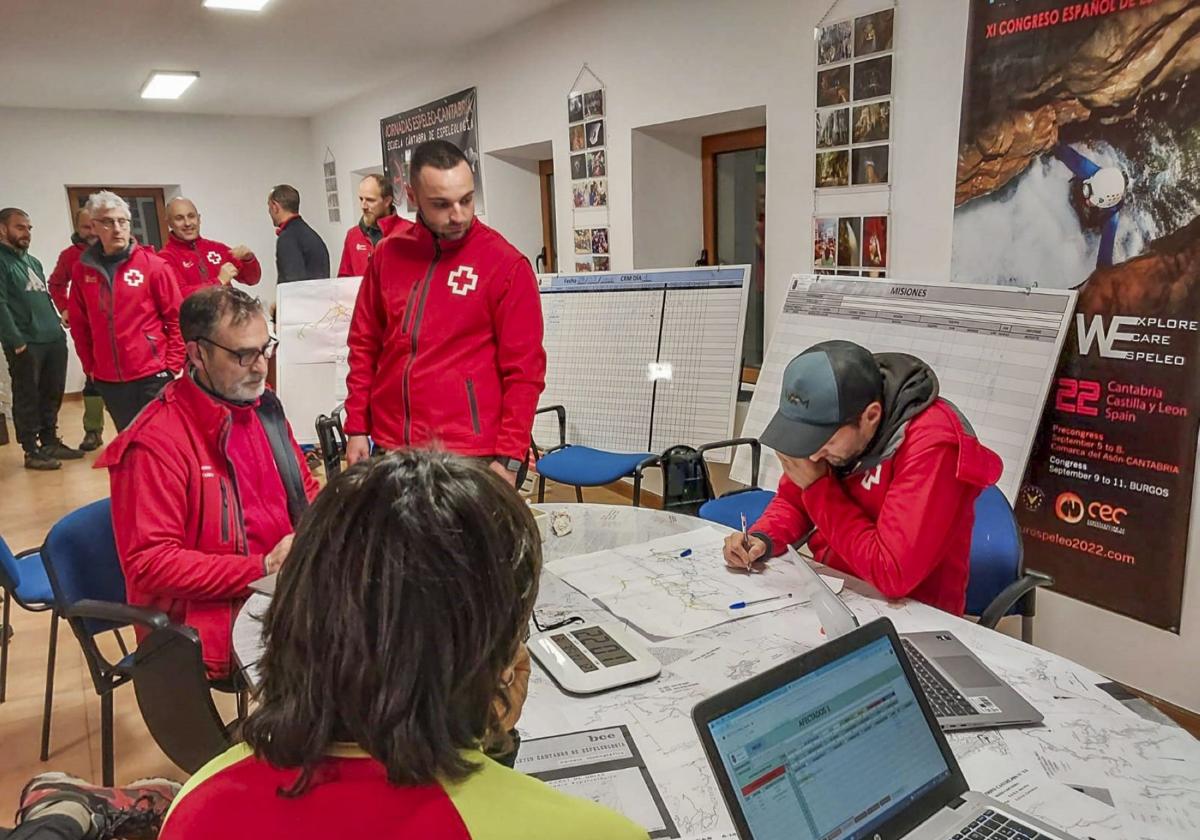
209	483
200	262
124	313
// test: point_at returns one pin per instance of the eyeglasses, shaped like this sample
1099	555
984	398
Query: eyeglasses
246	358
110	224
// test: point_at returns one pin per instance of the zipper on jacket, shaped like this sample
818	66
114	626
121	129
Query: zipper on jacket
112	315
243	548
473	405
412	355
224	511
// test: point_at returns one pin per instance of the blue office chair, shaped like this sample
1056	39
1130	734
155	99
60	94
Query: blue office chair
583	466
23	579
750	501
999	585
80	557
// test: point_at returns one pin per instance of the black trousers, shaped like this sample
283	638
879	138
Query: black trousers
125	399
39	375
52	827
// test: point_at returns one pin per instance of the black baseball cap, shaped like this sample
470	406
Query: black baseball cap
825	387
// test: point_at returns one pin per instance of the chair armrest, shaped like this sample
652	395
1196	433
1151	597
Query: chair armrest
562	423
117	613
1010	595
652	461
755	453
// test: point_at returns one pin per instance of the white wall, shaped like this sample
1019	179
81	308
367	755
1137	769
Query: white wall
676	60
668	212
227	165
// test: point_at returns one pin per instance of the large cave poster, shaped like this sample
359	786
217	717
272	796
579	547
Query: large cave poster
453	118
1079	167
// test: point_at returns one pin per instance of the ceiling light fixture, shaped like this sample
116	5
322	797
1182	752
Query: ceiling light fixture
237	5
168	84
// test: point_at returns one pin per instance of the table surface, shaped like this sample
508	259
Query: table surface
1093	767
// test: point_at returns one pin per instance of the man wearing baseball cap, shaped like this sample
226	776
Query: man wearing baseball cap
880	474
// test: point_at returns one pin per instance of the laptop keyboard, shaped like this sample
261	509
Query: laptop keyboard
946	700
992	824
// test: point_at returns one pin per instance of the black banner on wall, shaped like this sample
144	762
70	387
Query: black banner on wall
453	118
1078	160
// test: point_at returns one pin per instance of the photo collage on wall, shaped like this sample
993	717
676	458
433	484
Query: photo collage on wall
331	190
588	145
854	101
851	246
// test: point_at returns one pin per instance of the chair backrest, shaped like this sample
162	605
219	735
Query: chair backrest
10	571
996	554
331	440
81	560
175	699
686	483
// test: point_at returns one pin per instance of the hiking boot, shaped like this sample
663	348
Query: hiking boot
134	812
91	442
38	461
57	449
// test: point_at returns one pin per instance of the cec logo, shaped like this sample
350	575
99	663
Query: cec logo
1069	508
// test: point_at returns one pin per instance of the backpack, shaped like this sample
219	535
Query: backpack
686	483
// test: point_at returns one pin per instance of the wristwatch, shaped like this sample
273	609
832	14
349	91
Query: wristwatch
510	464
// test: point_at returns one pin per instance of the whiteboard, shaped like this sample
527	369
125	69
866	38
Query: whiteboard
312	322
643	360
994	350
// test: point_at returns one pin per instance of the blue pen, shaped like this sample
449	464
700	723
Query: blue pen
687	552
741	605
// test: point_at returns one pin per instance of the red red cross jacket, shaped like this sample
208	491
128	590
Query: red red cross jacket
904	524
60	278
179	513
198	263
125	326
446	345
357	249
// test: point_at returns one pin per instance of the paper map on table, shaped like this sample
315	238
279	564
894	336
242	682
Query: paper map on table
679	584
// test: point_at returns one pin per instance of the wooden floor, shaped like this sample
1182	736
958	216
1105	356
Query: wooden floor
30	502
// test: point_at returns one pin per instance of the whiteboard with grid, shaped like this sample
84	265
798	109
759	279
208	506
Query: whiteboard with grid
994	350
643	360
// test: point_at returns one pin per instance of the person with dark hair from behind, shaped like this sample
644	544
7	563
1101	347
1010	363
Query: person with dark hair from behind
394	664
35	346
446	338
300	254
379	219
208	482
55	806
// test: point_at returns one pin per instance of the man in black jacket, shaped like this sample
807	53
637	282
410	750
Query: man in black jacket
300	254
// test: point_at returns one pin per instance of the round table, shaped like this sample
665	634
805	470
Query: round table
1150	772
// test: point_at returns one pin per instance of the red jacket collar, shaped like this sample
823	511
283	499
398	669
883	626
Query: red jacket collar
446	246
279	229
173	240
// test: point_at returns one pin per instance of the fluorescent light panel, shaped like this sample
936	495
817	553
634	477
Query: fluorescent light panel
167	85
237	5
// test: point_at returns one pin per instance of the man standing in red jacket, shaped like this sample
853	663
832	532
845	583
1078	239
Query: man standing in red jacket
880	474
60	285
446	339
124	313
378	220
208	483
200	262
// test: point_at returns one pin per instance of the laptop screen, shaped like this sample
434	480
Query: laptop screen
832	754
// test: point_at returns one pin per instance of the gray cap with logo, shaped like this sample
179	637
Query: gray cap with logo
825	387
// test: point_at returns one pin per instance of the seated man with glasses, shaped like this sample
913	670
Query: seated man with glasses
123	308
208	482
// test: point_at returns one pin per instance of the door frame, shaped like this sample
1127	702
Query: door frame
710	147
546	182
77	197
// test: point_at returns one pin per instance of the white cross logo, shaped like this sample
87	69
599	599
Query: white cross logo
872	478
458	288
214	258
133	277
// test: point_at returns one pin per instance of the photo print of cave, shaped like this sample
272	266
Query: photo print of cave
1078	167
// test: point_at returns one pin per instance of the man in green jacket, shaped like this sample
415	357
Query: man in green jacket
35	346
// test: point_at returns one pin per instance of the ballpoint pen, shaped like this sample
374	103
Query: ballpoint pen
741	605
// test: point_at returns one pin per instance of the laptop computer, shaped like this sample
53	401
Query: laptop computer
964	693
839	743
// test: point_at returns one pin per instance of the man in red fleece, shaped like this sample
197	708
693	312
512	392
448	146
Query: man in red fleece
379	219
200	262
880	475
446	339
208	482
